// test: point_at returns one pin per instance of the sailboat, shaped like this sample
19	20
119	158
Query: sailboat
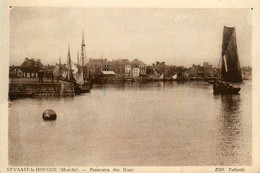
161	78
80	85
174	77
230	66
76	75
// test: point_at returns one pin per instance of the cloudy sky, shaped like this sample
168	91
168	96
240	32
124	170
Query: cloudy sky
176	36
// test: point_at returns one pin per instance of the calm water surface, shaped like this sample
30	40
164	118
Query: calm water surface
160	124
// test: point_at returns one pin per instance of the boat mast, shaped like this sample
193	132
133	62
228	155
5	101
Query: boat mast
220	67
69	63
82	50
78	58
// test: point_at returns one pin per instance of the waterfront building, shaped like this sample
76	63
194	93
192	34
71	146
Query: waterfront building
95	66
118	66
128	70
193	71
31	67
208	70
121	67
136	63
142	68
108	76
200	72
149	70
135	71
48	71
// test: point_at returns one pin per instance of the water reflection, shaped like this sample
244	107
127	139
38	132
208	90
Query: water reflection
229	130
134	124
46	125
133	85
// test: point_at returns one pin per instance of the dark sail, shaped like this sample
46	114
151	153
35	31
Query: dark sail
230	69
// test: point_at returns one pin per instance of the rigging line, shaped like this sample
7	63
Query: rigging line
174	56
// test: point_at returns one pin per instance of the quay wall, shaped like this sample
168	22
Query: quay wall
17	90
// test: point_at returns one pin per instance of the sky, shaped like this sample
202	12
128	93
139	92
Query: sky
176	36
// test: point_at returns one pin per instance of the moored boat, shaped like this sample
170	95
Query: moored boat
161	77
225	88
85	88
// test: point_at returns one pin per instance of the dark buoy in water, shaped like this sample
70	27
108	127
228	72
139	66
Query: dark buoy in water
49	114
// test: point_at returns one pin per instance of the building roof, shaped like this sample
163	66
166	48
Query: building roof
135	66
108	72
138	62
31	63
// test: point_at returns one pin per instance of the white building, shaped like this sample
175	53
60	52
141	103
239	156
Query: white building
127	70
136	72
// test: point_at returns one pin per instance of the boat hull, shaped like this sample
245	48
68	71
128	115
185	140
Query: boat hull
82	89
221	88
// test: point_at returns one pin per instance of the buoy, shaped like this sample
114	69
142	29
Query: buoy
49	114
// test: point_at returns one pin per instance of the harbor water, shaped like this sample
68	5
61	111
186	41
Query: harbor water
134	124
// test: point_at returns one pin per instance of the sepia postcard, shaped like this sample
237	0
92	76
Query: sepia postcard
130	86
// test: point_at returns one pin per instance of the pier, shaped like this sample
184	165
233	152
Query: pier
31	87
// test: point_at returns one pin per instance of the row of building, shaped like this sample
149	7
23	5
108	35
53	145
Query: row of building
138	68
122	67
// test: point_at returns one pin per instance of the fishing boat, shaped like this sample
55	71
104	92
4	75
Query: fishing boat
161	78
80	85
174	77
230	72
75	75
153	77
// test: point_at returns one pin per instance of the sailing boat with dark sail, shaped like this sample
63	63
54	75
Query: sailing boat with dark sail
230	66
